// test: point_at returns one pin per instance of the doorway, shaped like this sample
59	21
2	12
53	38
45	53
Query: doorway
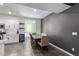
30	27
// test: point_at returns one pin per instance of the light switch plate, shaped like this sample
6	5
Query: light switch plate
74	33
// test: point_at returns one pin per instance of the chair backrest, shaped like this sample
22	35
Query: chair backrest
43	34
33	33
31	36
44	40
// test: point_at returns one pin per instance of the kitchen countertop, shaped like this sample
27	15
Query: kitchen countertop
3	41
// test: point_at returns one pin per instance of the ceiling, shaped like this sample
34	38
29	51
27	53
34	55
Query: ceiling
32	10
51	7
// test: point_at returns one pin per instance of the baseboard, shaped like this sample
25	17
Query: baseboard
61	49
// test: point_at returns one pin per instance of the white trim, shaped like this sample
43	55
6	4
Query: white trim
60	49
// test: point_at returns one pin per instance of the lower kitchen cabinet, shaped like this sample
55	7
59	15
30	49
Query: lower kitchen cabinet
11	38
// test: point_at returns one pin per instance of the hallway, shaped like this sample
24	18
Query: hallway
25	49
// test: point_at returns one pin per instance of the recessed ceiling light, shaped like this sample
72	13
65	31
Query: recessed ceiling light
34	10
9	12
1	3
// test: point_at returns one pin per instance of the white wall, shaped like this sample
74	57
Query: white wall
35	26
38	26
35	23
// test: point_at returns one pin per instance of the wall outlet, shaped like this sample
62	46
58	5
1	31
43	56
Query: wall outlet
74	33
73	49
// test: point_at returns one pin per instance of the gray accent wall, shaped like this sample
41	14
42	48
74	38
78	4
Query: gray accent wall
59	28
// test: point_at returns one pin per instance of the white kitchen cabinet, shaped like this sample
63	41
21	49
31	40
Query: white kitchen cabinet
2	46
12	38
1	49
11	32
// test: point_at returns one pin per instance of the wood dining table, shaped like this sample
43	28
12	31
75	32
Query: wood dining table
36	38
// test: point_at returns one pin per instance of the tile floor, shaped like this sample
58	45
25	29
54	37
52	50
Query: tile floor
25	49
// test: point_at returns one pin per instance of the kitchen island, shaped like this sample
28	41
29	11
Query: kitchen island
2	46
